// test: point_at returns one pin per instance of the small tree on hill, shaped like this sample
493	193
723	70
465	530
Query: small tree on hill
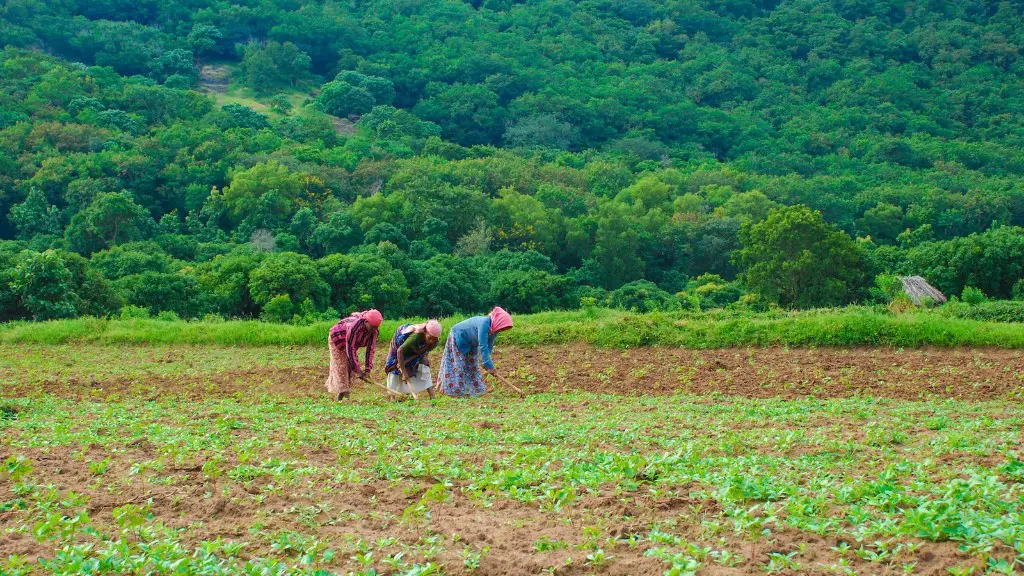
35	216
796	258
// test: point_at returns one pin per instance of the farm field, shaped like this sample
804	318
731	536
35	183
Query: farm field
218	460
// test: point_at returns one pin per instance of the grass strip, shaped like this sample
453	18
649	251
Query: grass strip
855	326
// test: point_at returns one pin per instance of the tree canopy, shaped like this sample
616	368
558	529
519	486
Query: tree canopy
442	157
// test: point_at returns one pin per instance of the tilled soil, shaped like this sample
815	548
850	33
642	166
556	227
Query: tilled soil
965	374
205	508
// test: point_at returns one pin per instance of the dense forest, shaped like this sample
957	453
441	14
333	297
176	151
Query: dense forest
303	158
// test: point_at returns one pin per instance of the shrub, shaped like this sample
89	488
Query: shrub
972	296
130	312
887	287
279	309
643	296
992	311
714	292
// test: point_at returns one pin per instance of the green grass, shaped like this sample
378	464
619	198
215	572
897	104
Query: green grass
235	93
606	328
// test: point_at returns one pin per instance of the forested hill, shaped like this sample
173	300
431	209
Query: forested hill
299	157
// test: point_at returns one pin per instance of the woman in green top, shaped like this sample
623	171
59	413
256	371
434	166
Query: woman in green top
408	366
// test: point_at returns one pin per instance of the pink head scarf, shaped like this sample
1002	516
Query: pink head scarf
434	328
372	317
500	320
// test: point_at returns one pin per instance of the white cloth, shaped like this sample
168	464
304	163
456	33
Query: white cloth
419	382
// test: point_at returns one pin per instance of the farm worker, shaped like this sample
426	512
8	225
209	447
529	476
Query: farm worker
467	350
408	365
357	331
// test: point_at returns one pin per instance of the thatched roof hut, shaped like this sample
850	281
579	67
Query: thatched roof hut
917	289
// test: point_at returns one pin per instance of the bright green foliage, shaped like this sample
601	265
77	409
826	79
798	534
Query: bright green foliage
531	291
642	296
173	63
467	113
278	309
344	99
797	259
294	275
623	141
44	284
110	219
992	261
617	244
972	296
203	38
281	104
244	117
163	292
362	281
267	190
35	216
130	259
272	65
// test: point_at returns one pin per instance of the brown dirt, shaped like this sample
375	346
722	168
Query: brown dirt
974	374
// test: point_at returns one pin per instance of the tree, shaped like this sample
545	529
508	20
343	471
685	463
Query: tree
176	62
883	222
294	275
617	245
130	259
302	226
747	206
446	285
387	232
361	281
382	89
225	279
164	292
269	181
111	218
245	117
531	291
35	216
338	233
44	285
272	65
281	104
795	258
279	309
203	38
992	261
476	242
343	99
467	113
541	131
